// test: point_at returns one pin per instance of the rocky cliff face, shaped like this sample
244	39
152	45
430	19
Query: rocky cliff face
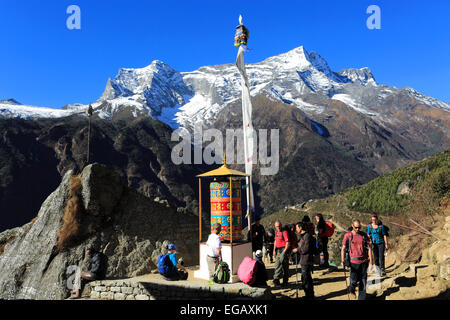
129	228
35	155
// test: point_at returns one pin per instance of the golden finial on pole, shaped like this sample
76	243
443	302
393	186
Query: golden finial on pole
224	160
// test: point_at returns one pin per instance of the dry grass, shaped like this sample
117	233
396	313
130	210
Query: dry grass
70	229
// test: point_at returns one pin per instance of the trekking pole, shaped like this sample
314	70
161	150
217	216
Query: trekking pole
296	277
346	284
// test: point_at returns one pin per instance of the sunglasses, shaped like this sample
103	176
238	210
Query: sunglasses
357	228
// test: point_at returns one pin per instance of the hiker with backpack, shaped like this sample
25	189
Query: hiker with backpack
356	253
168	265
379	239
281	251
253	271
214	249
325	229
309	225
306	249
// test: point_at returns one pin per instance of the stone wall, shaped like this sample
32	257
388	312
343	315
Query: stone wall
159	289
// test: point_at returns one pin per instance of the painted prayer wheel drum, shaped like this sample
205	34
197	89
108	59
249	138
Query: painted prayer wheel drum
220	208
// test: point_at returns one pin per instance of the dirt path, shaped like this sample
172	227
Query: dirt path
328	284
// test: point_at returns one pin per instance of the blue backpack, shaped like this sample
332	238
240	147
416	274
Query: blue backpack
165	266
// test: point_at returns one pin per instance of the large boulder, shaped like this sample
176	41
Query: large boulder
129	228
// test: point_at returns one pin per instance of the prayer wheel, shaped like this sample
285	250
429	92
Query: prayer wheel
231	221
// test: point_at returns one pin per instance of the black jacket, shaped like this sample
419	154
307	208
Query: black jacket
305	248
98	265
257	240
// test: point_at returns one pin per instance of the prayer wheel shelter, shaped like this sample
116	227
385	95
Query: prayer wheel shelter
226	209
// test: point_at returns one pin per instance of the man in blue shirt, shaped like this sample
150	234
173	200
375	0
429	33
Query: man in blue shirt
179	272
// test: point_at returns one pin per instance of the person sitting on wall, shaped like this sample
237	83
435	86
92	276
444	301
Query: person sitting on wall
175	270
97	272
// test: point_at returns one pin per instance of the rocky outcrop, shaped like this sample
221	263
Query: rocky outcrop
129	228
404	188
428	277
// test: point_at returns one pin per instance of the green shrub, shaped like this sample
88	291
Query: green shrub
380	195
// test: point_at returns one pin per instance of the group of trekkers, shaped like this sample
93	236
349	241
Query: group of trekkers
301	243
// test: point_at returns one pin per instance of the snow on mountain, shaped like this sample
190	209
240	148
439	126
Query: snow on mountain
10	108
297	77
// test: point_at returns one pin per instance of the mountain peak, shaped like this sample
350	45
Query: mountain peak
297	58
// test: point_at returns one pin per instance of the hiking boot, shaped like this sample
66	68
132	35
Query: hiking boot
276	282
352	292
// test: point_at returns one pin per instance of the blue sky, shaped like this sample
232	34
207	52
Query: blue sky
43	63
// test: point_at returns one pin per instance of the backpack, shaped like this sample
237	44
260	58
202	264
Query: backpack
292	238
329	229
314	247
165	266
222	274
348	250
247	270
382	227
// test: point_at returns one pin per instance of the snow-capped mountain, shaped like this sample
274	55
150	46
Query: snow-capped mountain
298	77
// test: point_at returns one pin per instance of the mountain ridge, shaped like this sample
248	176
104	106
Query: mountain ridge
175	97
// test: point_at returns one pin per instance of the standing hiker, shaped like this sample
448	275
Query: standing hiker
281	252
305	250
214	249
269	243
309	225
293	242
360	253
378	237
258	234
322	239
